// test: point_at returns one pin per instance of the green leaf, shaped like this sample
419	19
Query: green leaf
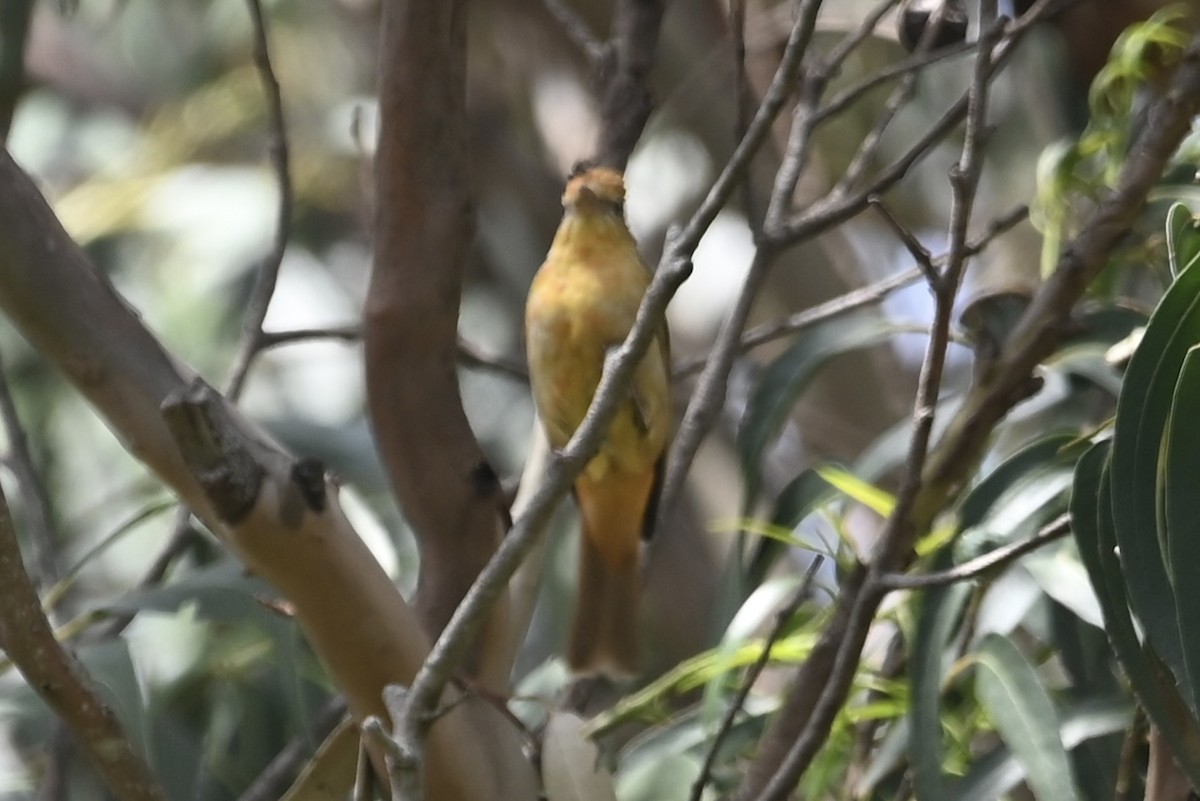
937	615
1181	512
798	500
999	771
785	379
1092	524
853	487
1046	452
1018	703
1141	420
1061	576
1183	238
222	591
890	449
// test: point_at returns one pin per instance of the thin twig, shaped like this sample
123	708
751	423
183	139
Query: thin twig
741	100
26	636
920	254
343	333
39	516
801	321
268	271
252	340
709	395
469	353
805	120
914	63
988	563
16	17
782	618
273	780
853	300
577	31
183	537
899	98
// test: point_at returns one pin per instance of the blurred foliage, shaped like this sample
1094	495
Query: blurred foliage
145	124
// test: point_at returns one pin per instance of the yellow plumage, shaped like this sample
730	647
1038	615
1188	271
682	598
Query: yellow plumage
583	302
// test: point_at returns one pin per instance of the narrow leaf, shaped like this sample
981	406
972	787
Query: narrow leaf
570	767
1181	510
1141	419
937	614
1092	524
999	771
1018	703
853	487
785	379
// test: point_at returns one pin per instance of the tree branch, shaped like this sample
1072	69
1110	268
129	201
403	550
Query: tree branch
440	476
268	272
35	500
15	19
988	563
26	636
627	101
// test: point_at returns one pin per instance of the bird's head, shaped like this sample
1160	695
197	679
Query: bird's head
592	189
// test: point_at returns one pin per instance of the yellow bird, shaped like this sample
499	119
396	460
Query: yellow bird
582	303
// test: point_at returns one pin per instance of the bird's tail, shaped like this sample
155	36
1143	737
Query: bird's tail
604	632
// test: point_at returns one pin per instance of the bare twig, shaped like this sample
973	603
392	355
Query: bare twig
920	254
801	321
35	500
742	101
899	98
988	563
274	779
626	104
853	300
15	19
914	63
805	120
710	391
782	618
469	353
839	207
26	636
183	537
268	271
577	31
343	333
253	340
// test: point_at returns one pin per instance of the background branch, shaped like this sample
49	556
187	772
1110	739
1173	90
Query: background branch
268	271
26	636
445	485
990	562
35	500
16	16
627	100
